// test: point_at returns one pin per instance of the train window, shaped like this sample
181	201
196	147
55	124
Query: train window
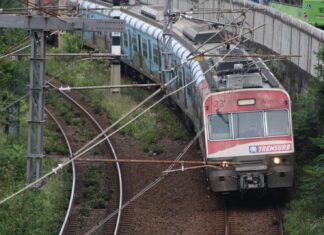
156	56
181	78
134	42
191	87
219	126
125	36
277	122
247	125
144	48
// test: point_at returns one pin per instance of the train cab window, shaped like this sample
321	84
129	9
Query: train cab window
156	56
277	122
134	42
145	48
248	125
219	126
125	37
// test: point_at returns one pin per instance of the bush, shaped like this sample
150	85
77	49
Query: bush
306	214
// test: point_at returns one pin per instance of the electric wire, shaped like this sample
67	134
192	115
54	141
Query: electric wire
147	187
226	42
73	171
14	102
23	48
23	41
85	148
214	35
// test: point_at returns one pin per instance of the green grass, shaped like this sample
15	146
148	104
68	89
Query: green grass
148	130
53	140
34	211
94	196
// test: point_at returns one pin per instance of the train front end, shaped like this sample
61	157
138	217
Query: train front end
249	132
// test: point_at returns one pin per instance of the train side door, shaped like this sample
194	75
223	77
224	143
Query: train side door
150	57
140	52
129	35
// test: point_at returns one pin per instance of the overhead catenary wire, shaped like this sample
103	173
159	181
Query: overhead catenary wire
86	147
163	174
226	42
14	102
214	35
60	166
23	48
104	87
73	171
147	187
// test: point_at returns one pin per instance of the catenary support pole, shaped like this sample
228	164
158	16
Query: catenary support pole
36	105
115	49
39	26
167	41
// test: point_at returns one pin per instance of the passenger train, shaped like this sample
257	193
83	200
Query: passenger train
243	109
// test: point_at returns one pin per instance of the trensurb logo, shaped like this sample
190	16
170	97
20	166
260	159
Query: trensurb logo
270	148
253	149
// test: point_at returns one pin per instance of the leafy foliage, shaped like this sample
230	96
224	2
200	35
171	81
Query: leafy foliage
73	42
35	211
93	197
148	130
306	215
13	74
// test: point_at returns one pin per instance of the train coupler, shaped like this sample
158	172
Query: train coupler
251	181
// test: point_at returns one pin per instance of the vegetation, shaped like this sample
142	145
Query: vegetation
306	214
147	130
53	142
35	211
93	197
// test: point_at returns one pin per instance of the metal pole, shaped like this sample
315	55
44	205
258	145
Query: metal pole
36	105
167	41
115	49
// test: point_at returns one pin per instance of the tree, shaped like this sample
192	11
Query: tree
306	215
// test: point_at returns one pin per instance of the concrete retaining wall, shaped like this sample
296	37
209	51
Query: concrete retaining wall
282	34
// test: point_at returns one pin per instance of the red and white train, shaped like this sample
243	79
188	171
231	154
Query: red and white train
243	109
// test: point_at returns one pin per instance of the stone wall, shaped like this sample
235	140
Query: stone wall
281	33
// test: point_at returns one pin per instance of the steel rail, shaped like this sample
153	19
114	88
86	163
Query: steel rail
73	172
112	150
280	220
226	219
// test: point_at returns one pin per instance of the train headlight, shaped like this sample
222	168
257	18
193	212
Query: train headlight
225	164
276	160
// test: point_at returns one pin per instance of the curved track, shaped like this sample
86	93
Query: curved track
73	170
120	181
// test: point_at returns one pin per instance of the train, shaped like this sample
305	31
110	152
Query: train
243	110
310	11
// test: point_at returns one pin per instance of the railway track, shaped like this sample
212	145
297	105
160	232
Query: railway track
73	169
234	219
71	223
229	217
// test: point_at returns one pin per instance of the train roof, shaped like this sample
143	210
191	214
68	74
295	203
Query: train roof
225	74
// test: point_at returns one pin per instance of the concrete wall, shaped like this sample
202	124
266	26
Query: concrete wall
281	34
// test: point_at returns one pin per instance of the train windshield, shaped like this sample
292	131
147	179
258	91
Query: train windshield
277	122
248	124
219	126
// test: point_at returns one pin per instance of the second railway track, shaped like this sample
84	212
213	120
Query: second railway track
252	218
230	218
91	218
